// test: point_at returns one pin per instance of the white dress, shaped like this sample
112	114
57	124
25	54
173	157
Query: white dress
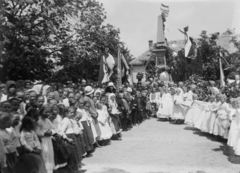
106	132
212	118
44	125
111	125
167	106
178	110
222	121
232	136
192	114
205	122
236	146
201	118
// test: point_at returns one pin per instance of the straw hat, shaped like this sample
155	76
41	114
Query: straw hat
88	90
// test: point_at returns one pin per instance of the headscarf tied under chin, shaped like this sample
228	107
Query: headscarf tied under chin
41	89
109	98
113	104
97	91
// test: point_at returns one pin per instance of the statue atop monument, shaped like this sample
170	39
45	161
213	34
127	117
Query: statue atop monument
160	25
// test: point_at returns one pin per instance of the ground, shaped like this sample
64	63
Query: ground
160	147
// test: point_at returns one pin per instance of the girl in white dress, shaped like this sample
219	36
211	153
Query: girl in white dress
194	110
106	132
236	146
213	115
222	121
44	131
178	108
167	105
205	122
234	125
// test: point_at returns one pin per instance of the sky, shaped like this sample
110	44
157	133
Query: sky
137	19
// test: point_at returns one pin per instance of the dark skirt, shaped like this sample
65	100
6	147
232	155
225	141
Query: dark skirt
62	150
30	163
81	145
116	121
74	160
87	136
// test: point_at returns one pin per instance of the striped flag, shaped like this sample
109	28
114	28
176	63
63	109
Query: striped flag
103	72
222	82
164	9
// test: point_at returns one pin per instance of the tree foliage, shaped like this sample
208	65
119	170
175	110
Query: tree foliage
54	39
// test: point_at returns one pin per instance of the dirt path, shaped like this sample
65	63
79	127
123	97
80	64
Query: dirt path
160	147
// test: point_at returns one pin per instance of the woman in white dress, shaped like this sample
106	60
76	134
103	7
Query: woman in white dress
177	115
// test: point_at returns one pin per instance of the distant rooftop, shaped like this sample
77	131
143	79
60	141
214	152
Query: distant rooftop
177	45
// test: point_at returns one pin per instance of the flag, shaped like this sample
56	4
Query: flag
164	9
103	71
222	82
111	63
188	43
119	69
188	46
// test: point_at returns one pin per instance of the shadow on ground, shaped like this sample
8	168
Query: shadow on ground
227	151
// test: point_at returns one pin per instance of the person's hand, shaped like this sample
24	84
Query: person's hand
69	140
36	151
48	133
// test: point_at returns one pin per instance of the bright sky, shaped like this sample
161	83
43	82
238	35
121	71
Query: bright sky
137	19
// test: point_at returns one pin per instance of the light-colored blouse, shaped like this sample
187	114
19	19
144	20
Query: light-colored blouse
30	140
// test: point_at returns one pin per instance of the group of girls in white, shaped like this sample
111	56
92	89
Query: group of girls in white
46	128
181	105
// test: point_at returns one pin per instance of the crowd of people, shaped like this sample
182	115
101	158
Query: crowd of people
47	126
205	108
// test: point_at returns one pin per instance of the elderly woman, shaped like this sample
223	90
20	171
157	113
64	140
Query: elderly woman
222	121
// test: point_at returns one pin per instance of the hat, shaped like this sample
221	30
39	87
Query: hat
88	90
204	33
111	84
193	86
180	83
129	89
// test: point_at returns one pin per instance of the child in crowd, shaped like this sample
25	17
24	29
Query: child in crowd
10	151
44	131
67	131
106	132
6	106
114	113
85	122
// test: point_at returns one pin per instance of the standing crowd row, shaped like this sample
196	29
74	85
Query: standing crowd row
216	115
45	127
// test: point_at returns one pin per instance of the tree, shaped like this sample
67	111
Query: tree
56	39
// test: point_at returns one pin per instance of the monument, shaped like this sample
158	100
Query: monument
160	47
